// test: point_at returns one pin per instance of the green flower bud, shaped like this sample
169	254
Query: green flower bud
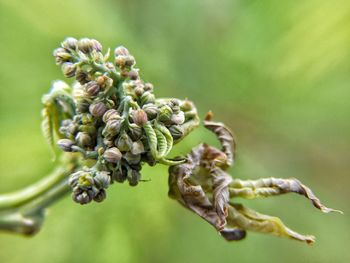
176	132
102	180
186	105
90	129
139	117
134	177
132	158
165	114
146	98
83	139
86	118
151	110
65	145
68	69
135	131
92	88
121	51
137	148
85	45
112	155
97	109
70	43
111	114
124	143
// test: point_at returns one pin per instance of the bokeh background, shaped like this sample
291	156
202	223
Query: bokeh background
277	72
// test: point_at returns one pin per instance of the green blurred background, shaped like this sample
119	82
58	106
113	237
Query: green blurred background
277	72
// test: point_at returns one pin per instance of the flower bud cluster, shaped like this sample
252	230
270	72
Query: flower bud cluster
117	122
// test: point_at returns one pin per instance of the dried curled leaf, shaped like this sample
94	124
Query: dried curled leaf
248	219
274	186
224	136
202	186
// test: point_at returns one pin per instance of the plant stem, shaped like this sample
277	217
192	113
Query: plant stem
21	197
23	212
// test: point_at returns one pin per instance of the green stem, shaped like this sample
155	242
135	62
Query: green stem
23	212
18	198
27	220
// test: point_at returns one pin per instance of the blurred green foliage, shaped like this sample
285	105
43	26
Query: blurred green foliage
277	72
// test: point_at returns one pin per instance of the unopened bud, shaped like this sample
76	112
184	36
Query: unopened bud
82	77
112	128
135	131
102	180
137	148
132	158
61	55
100	196
186	105
107	142
178	118
104	81
133	74
86	118
151	110
68	69
65	145
80	196
147	97
134	177
124	143
119	175
83	139
96	45
165	114
139	117
129	61
112	155
148	87
70	43
176	132
82	105
139	91
90	129
97	109
92	88
174	105
124	61
121	51
85	45
111	114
